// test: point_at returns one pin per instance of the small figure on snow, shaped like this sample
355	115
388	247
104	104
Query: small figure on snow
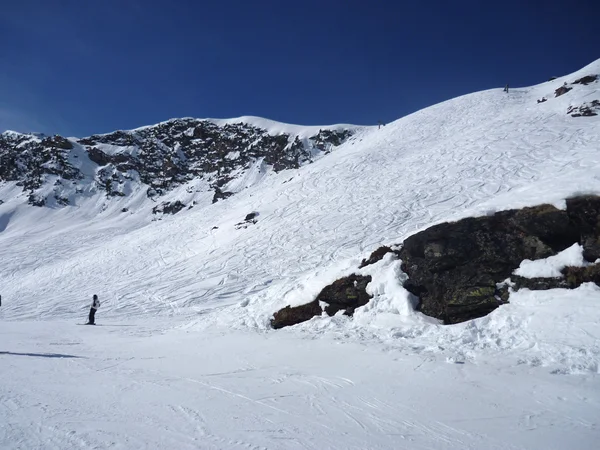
95	306
506	88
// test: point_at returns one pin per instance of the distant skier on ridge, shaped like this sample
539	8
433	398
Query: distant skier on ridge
506	88
94	307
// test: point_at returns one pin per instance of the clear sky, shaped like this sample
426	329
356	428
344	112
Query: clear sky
82	67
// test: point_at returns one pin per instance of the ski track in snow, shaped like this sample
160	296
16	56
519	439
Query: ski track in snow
185	358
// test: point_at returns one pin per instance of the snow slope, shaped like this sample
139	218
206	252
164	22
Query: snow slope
195	364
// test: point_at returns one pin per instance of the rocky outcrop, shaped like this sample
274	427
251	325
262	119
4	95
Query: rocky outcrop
293	315
586	80
587	109
345	294
161	157
572	277
456	268
562	90
377	255
584	213
249	220
168	207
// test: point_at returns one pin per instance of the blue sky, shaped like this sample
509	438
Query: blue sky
78	67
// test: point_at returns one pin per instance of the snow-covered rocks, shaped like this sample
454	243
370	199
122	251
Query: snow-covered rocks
457	269
160	158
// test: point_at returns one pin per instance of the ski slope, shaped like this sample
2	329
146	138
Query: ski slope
185	357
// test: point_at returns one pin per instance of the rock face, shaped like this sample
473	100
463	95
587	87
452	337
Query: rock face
160	157
292	316
345	294
377	255
458	270
584	213
587	109
455	268
562	90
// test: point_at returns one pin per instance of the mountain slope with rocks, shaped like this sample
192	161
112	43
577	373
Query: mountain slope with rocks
188	354
213	158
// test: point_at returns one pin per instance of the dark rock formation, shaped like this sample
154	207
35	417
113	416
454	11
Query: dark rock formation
168	207
162	156
584	213
454	268
586	80
562	90
377	255
542	100
585	110
572	277
345	294
249	220
297	314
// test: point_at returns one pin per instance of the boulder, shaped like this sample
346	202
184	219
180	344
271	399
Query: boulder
562	90
455	268
377	255
584	213
586	80
345	294
294	315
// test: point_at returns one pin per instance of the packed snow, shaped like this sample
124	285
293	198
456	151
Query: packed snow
183	356
551	267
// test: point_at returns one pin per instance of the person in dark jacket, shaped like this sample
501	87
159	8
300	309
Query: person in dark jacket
95	306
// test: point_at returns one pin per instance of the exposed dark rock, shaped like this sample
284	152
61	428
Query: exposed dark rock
586	80
538	283
57	142
454	268
585	110
63	201
576	276
168	207
125	210
345	294
542	100
249	220
220	195
377	255
572	277
562	90
584	213
98	156
162	156
294	315
34	200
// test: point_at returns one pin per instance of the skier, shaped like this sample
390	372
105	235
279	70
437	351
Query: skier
95	306
506	88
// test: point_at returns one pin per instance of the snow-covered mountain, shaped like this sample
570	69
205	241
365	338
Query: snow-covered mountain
187	357
185	160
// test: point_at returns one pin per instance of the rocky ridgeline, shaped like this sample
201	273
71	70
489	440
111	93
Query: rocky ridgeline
459	270
586	109
161	157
